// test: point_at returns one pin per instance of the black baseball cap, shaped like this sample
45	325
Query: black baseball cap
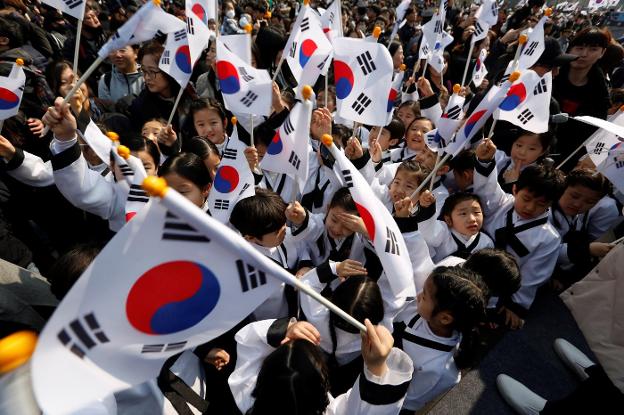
553	55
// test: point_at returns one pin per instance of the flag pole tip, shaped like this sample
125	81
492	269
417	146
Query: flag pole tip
548	12
306	92
268	15
403	67
155	186
327	139
376	32
522	39
514	76
112	136
306	2
622	108
456	88
16	349
233	120
19	61
156	2
248	28
124	152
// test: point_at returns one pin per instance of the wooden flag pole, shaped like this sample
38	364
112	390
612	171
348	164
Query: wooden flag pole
468	59
175	106
77	46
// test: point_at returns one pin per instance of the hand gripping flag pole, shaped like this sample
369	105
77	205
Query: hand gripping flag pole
197	218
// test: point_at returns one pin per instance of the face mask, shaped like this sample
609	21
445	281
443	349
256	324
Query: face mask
243	22
230	14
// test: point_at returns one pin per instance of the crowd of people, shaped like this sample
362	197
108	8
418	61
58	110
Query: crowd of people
498	222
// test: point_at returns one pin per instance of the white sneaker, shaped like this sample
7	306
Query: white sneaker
519	397
576	360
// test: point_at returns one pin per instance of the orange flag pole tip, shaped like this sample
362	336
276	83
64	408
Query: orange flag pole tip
403	67
248	28
514	76
456	88
155	186
233	120
156	2
124	152
306	91
327	139
19	62
112	136
548	12
16	349
376	32
522	39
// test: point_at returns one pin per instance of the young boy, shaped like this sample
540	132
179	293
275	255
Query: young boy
518	223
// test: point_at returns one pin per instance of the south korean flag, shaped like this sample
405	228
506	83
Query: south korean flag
527	104
137	197
74	8
450	120
176	59
158	288
245	89
11	90
613	166
488	12
233	181
534	47
480	71
602	140
363	76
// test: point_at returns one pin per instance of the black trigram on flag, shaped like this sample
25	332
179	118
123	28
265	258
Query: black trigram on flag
165	57
159	348
348	180
618	163
243	74
158	34
454	112
288	127
392	247
179	35
72	4
321	65
305	24
331	17
361	103
249	276
494	9
221	204
541	87
525	116
294	160
424	48
126	170
88	332
177	230
599	147
366	63
249	99
190	26
505	78
438	27
245	187
137	194
530	49
230	153
293	50
478	29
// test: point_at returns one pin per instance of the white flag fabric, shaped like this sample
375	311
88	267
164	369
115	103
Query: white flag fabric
436	59
239	44
74	8
203	9
394	93
602	140
488	12
382	228
245	89
174	288
307	48
99	143
290	147
598	4
145	24
363	76
534	47
233	181
527	104
476	120
450	120
600	123
480	71
176	58
613	166
11	91
481	31
331	20
137	197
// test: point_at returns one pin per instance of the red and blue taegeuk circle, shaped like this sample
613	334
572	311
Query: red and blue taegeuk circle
306	51
515	96
199	11
344	79
226	179
369	222
276	146
472	121
8	99
171	297
228	77
183	59
392	96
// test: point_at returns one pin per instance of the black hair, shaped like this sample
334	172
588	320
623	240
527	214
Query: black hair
455	199
293	379
589	179
396	129
12	31
461	293
341	134
393	46
260	214
463	161
541	181
591	36
54	72
546	139
200	146
207	104
156	48
138	143
419	118
412	105
70	266
414	168
498	269
189	166
342	198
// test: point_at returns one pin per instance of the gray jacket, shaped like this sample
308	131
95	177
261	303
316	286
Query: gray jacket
115	85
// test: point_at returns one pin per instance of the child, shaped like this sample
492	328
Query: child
407	112
462	169
206	150
210	121
527	149
439	337
428	158
519	223
414	140
283	374
389	139
152	128
409	175
187	174
460	235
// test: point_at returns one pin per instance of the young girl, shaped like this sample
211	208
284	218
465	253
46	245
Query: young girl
151	129
439	336
407	112
206	151
388	140
460	233
527	149
187	174
414	140
210	121
287	374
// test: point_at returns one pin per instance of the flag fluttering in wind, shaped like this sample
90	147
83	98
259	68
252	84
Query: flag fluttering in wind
11	90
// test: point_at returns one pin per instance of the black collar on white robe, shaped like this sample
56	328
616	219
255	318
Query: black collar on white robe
507	235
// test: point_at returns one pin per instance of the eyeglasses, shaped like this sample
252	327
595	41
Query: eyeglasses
150	73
